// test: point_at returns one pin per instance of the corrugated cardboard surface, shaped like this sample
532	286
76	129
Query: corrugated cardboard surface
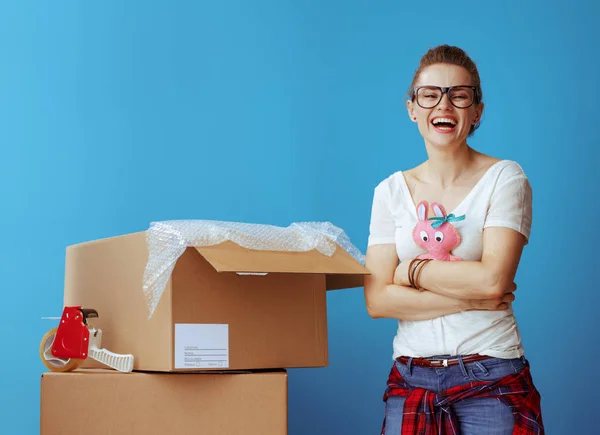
230	257
275	321
106	275
341	269
98	402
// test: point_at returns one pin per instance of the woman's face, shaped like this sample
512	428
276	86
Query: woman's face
444	124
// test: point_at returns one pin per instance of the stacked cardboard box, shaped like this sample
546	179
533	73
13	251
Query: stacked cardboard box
212	356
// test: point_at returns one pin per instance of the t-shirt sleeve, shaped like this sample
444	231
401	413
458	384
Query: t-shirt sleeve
382	228
511	203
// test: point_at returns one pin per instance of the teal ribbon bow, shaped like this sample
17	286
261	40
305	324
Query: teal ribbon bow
439	221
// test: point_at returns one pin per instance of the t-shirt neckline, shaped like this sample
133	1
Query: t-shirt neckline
413	205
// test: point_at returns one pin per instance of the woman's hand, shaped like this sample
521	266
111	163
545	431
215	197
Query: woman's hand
495	304
401	274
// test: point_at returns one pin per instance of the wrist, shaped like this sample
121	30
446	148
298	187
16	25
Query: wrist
415	269
400	276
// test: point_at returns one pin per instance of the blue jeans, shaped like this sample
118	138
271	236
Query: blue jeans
476	416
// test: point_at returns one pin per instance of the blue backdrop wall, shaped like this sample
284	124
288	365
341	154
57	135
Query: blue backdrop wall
115	114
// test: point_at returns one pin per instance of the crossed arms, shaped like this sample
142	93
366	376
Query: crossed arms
450	287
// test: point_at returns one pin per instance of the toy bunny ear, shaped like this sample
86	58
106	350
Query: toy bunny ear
438	209
422	210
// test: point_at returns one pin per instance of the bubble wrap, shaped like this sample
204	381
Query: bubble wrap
168	240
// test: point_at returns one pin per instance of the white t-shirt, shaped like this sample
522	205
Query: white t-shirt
502	197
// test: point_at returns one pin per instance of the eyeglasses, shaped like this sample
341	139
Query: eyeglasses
460	96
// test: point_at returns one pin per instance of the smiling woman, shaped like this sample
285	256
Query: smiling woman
452	109
448	279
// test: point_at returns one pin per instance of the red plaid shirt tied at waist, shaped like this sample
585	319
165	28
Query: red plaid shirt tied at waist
430	413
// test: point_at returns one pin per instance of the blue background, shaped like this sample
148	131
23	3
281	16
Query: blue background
114	114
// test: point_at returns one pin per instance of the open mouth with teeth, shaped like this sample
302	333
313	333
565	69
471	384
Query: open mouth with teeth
444	125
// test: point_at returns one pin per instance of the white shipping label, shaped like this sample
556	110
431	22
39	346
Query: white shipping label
201	346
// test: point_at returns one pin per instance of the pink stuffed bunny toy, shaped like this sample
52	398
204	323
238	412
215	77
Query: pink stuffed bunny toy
437	235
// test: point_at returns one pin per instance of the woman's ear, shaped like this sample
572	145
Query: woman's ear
478	113
410	107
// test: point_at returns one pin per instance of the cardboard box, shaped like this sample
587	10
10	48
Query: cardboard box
99	402
209	316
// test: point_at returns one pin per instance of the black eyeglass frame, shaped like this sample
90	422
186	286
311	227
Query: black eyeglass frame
446	91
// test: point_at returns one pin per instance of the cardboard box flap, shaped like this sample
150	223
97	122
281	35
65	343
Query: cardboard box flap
230	257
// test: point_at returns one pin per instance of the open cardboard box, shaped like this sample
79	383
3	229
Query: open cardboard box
213	315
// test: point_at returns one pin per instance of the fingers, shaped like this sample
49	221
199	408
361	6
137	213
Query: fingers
508	297
502	303
498	304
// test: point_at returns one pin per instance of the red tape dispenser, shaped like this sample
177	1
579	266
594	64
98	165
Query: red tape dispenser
66	347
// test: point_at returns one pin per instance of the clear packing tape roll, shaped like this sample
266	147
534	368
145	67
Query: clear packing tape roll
168	240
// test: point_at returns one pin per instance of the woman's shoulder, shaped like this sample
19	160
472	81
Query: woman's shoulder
505	169
500	167
401	177
392	185
506	175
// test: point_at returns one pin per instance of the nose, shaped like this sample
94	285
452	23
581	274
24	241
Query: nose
445	102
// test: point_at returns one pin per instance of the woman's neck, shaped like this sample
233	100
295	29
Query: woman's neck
446	165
